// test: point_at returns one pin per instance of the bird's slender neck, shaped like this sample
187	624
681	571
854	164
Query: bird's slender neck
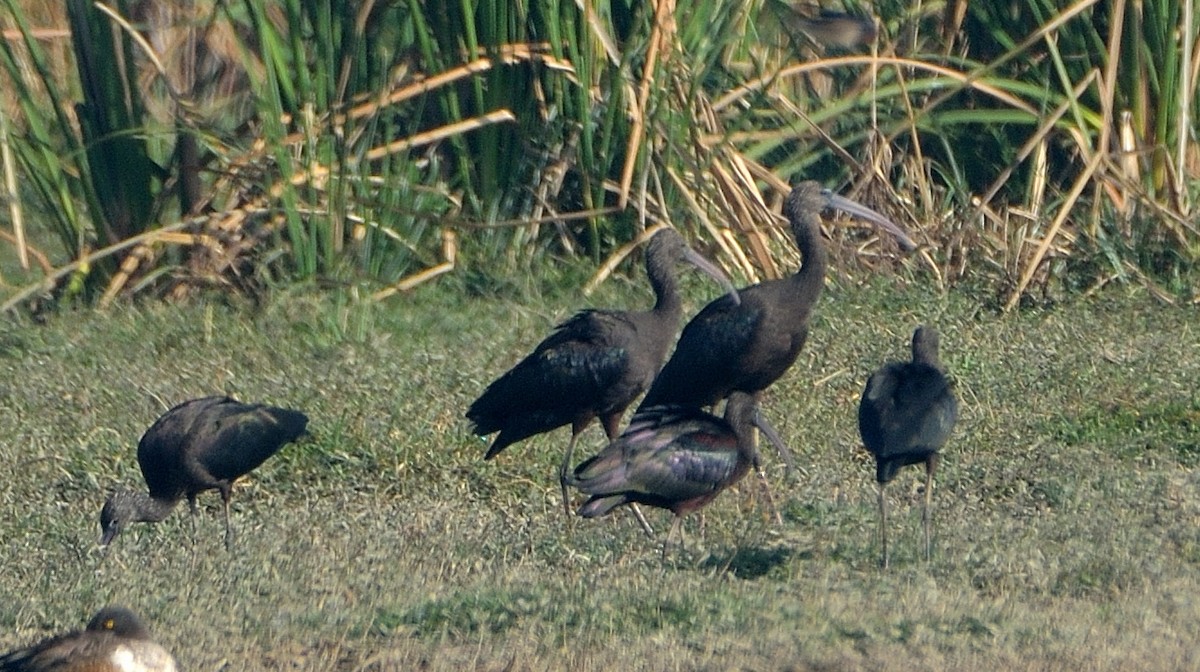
925	351
667	303
806	227
739	413
147	509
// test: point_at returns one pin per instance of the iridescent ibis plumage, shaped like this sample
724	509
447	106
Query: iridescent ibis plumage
113	641
675	458
905	417
746	345
202	444
593	365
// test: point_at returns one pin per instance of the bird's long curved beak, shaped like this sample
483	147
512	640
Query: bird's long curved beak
108	534
861	211
773	436
713	271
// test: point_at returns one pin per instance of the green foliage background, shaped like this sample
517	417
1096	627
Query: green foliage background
377	145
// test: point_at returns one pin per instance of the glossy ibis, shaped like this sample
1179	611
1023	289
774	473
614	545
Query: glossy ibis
905	416
202	444
593	365
676	458
744	346
114	641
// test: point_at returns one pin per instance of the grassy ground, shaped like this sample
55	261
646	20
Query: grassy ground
1067	507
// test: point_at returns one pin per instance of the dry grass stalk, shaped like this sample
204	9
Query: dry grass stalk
147	50
86	260
40	257
736	196
14	35
128	265
744	207
597	27
918	174
509	54
449	260
787	105
550	183
447	131
610	264
660	45
527	221
969	80
1109	84
1081	183
15	211
1129	164
723	236
144	254
1036	140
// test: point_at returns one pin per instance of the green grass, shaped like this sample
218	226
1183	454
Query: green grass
1066	508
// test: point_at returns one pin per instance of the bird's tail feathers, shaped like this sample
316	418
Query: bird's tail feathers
600	505
600	473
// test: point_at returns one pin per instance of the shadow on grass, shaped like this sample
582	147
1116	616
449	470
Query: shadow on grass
749	563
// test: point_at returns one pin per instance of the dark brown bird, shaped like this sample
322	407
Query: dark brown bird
824	28
674	458
745	346
905	416
114	641
202	444
594	365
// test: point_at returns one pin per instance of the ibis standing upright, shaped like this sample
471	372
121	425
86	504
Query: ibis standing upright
905	416
202	444
594	365
745	345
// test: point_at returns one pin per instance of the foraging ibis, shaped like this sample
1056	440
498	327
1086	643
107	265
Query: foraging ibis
905	416
675	458
593	365
113	641
202	444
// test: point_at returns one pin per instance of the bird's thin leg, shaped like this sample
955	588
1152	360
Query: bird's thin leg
670	533
611	424
762	478
765	427
562	476
641	518
226	492
766	486
930	465
883	524
192	506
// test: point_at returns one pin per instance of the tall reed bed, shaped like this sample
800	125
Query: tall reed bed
379	145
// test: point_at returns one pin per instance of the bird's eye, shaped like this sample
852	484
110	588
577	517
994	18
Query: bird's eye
109	624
